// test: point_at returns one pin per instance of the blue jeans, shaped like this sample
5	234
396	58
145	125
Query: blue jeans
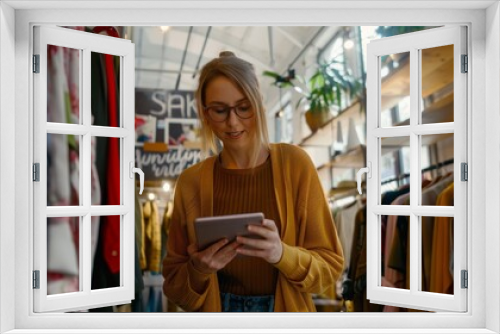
237	303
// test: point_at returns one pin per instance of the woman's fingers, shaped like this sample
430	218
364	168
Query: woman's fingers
269	247
228	253
212	249
255	243
252	252
270	224
267	230
214	257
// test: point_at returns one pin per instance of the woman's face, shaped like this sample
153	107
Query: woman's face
236	133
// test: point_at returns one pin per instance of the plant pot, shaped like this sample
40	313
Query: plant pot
317	118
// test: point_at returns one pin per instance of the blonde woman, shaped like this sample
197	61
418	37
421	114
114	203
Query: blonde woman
299	252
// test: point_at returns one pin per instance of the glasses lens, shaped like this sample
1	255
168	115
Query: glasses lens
218	113
244	111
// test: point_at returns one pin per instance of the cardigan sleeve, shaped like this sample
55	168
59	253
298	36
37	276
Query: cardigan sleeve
184	284
316	260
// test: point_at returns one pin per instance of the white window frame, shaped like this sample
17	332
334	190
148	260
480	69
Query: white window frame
414	43
483	20
85	43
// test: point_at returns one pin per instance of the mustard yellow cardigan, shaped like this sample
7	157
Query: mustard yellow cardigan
312	257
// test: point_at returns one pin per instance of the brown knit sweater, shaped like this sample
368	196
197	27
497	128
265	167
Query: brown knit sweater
246	191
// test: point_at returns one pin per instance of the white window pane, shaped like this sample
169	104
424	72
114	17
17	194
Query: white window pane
63	170
395	252
437	235
395	78
63	255
107	165
105	90
106	254
437	84
63	85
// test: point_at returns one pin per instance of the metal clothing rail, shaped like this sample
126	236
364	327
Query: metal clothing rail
427	169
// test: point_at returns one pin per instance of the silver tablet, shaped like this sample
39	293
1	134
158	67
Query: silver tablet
212	229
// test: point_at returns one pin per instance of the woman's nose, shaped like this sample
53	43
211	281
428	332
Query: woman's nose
232	118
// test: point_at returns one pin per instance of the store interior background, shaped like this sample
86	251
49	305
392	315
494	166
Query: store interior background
167	64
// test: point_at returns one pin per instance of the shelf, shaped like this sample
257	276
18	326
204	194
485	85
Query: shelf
354	158
325	135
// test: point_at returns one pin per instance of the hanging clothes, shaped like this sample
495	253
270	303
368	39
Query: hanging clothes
152	242
344	221
167	218
392	277
357	266
388	199
139	231
111	231
430	197
441	278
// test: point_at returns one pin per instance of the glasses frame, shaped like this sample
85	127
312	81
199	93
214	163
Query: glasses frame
229	109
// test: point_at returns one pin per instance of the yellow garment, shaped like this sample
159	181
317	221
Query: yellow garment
312	257
143	262
441	279
167	217
152	233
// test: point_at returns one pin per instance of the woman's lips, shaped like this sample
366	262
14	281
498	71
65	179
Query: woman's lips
234	134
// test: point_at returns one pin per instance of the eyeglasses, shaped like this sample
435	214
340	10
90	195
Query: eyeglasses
220	113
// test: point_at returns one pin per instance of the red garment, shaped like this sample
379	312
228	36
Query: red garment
111	229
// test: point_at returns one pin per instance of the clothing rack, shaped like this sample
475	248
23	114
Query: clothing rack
427	169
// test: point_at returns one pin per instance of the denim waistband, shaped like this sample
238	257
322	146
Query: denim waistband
236	303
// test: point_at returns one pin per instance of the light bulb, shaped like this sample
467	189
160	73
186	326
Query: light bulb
151	196
348	44
164	28
166	187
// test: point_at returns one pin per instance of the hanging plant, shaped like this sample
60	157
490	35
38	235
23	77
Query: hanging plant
324	91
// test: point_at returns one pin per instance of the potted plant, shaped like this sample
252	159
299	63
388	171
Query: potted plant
324	91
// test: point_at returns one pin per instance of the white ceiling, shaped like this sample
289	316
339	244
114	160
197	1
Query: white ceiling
162	56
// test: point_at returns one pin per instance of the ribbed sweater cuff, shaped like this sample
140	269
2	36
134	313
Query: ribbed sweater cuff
197	279
287	264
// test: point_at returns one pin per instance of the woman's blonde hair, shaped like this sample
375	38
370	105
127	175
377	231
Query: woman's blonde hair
242	74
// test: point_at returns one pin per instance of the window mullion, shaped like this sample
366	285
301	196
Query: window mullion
415	175
86	168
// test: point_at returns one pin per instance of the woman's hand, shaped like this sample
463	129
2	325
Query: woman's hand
269	248
214	257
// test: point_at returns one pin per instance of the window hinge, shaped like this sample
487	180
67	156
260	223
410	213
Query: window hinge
36	172
36	279
465	64
464	172
465	279
36	63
